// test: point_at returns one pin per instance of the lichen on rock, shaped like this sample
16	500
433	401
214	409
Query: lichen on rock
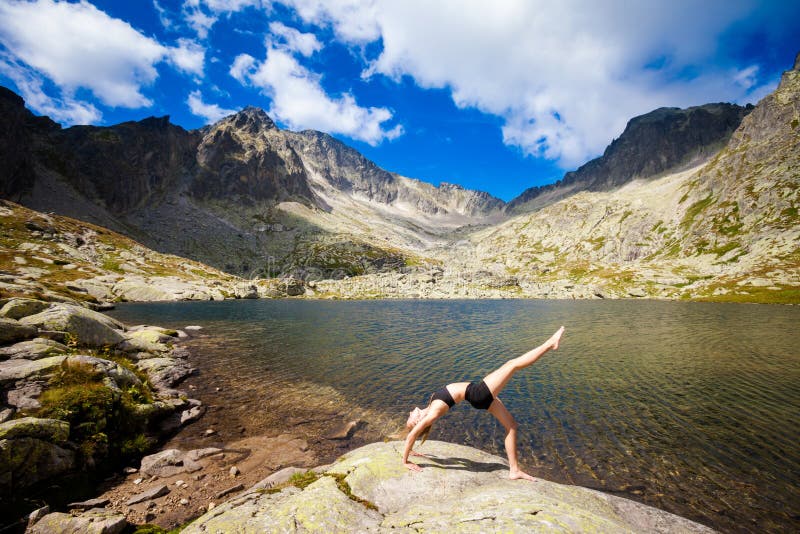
460	489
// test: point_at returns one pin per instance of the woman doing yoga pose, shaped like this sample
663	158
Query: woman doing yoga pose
482	396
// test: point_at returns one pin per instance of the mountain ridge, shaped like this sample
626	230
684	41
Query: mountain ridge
665	139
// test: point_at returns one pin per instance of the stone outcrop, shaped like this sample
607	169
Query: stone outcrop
90	327
35	450
459	489
93	521
32	450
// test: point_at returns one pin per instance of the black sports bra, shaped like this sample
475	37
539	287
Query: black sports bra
443	395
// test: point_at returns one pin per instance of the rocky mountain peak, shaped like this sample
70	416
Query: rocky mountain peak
251	120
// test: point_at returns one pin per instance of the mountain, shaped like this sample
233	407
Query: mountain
667	139
727	229
699	203
241	195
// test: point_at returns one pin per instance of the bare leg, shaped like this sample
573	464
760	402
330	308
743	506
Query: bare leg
497	380
502	414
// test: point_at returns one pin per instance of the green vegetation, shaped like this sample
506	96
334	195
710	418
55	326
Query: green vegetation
344	487
112	264
694	210
794	123
303	480
103	422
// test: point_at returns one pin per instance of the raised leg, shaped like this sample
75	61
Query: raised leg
497	380
502	414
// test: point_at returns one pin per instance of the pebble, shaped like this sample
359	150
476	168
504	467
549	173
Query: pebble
217	389
234	471
179	482
138	481
211	506
130	470
210	432
184	502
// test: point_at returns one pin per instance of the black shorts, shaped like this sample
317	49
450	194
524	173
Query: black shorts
479	395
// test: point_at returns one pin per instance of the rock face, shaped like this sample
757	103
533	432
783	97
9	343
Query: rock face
459	489
662	140
221	190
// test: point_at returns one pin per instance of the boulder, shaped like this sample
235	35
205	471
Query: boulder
13	370
89	327
148	495
459	489
168	463
17	308
94	521
25	461
12	330
165	372
35	349
146	340
51	430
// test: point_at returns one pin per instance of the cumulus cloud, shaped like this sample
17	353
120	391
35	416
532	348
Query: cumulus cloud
286	38
210	112
75	45
564	76
188	57
65	109
299	100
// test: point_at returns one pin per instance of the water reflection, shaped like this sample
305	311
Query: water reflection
690	407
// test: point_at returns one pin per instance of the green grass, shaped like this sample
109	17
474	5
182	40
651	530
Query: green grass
694	210
103	422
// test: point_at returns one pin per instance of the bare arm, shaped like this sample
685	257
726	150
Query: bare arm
432	416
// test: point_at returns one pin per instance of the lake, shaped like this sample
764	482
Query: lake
690	407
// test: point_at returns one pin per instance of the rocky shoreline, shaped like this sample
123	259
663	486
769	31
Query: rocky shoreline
45	343
81	392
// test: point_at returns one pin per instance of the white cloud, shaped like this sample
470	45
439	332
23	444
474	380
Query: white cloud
77	46
747	77
188	57
242	67
564	76
293	40
201	15
299	101
65	110
210	112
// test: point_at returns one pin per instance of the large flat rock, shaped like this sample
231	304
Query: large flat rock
89	327
460	489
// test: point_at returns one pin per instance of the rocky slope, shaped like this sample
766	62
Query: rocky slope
241	195
64	260
666	139
726	229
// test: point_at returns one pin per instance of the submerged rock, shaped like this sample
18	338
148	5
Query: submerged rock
459	489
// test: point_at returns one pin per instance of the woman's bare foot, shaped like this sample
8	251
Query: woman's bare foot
517	475
555	339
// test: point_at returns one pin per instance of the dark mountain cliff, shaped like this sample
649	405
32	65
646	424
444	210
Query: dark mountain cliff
664	139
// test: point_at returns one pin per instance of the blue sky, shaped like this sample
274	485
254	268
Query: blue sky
497	96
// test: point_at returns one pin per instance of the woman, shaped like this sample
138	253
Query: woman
482	396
